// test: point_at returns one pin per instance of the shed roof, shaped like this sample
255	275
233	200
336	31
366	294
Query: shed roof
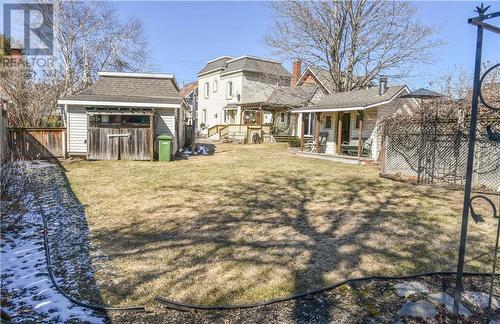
129	88
291	96
355	100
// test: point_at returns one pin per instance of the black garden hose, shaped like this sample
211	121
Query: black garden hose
99	308
192	307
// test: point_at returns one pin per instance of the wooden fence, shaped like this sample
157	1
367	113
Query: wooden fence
36	143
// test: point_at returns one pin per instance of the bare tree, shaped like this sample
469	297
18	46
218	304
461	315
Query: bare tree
456	83
355	40
90	37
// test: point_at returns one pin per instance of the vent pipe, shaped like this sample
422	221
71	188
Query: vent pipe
382	86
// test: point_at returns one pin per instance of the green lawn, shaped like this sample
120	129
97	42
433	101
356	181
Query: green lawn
254	222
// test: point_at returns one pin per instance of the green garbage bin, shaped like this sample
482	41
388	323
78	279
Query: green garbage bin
165	147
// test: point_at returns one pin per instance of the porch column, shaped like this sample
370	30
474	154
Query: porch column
238	114
339	133
360	134
318	114
302	132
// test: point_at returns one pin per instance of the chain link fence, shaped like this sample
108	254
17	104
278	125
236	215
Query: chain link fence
434	150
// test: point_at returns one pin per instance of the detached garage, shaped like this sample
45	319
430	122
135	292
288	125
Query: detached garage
122	114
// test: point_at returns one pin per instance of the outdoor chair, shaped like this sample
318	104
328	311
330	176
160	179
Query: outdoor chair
309	145
322	145
351	147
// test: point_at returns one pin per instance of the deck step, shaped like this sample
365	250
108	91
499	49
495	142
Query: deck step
283	138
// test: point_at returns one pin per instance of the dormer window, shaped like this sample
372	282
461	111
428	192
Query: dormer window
206	90
215	86
229	90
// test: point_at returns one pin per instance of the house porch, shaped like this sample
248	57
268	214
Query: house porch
335	134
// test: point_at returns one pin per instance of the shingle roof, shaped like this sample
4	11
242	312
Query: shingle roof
324	77
355	99
127	88
216	64
291	96
246	63
253	64
423	93
188	88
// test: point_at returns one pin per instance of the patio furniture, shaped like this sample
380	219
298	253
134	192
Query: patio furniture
351	147
322	145
309	145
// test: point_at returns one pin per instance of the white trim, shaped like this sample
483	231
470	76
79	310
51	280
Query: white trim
351	108
208	72
253	58
141	75
221	57
115	103
136	75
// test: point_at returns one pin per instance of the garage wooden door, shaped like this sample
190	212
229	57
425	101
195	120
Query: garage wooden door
118	143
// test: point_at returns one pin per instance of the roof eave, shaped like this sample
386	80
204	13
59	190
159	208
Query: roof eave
326	109
116	103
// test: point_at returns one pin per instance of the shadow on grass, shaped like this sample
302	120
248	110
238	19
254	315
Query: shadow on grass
68	237
369	228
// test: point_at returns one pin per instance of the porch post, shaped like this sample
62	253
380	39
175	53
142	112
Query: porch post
318	114
360	134
152	137
302	132
339	133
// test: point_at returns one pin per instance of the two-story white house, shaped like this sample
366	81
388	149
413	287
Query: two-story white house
227	83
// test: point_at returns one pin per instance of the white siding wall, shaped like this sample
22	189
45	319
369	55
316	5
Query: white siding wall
77	126
217	100
257	87
166	124
331	138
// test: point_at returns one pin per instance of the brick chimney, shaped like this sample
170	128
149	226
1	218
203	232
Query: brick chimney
296	72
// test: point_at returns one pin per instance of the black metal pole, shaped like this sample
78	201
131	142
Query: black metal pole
470	165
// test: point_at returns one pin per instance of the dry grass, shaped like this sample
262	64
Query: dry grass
255	222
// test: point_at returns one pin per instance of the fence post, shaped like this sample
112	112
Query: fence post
384	152
64	146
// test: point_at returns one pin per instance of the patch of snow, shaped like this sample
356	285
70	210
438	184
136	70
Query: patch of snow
420	309
407	289
25	277
447	301
481	299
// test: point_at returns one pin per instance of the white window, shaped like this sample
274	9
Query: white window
282	117
204	116
206	90
229	90
214	86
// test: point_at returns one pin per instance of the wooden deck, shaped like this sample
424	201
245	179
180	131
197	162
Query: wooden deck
335	157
